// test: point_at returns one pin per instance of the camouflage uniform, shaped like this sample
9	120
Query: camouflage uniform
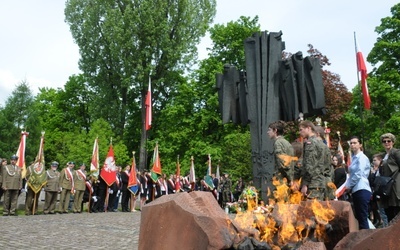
328	172
314	169
226	186
284	164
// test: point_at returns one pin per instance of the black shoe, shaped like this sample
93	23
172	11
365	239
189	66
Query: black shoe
5	214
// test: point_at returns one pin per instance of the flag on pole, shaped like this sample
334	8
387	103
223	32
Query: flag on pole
348	162
94	164
217	174
37	174
21	153
108	172
208	179
340	148
362	69
192	174
148	108
178	176
156	169
327	137
133	185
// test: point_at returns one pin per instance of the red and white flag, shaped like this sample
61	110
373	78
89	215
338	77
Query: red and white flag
109	171
94	164
21	153
362	69
148	108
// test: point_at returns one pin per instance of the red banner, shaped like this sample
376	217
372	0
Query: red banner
109	171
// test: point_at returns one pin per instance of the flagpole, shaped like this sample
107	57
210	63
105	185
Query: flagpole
359	84
34	205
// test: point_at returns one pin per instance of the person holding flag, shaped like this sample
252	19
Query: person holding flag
12	183
36	178
67	185
31	197
133	184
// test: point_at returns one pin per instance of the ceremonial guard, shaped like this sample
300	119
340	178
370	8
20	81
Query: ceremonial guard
12	183
79	187
67	186
30	198
51	189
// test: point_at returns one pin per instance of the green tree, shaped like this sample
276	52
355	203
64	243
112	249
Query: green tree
19	114
123	42
190	124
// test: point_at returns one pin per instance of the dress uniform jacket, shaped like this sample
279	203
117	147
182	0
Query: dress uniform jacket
79	180
65	180
12	179
53	182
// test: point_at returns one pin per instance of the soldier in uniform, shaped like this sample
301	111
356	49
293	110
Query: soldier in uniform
12	183
313	181
283	151
226	186
2	165
79	187
52	189
30	198
67	185
328	170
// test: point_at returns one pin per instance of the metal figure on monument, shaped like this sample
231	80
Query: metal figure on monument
272	88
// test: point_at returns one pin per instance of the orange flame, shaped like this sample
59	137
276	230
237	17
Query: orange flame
280	223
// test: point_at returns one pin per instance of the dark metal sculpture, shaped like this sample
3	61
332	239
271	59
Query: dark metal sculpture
271	89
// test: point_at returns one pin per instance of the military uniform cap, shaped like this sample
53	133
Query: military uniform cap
14	157
54	163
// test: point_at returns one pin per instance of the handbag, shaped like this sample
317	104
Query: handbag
383	185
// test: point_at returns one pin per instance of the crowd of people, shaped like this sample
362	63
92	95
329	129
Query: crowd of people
308	167
69	189
64	191
319	173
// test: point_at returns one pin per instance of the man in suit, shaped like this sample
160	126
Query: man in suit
12	183
51	189
67	185
79	187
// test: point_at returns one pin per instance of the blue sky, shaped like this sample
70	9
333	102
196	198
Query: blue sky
37	47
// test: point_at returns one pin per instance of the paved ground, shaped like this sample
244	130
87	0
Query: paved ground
111	230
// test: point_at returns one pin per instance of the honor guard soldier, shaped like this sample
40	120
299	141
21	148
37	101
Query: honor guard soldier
52	189
12	183
79	187
67	185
